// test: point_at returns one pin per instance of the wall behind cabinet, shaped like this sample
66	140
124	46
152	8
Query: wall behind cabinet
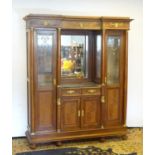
130	8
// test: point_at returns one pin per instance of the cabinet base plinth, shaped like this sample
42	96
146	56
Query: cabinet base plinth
38	138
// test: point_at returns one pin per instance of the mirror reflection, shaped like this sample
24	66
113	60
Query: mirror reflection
74	55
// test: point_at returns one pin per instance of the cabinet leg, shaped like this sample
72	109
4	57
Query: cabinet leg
124	137
59	143
32	146
102	140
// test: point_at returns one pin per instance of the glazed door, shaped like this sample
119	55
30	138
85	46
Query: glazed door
115	66
45	79
90	112
70	113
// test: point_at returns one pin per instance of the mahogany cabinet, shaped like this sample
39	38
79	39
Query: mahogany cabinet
76	77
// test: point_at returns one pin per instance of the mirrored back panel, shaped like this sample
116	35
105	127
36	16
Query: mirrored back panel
80	55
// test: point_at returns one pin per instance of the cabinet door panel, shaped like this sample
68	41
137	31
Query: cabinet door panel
70	117
45	112
45	74
45	55
113	106
115	49
90	112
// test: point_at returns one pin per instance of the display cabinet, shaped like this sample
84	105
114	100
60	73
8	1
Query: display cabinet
76	77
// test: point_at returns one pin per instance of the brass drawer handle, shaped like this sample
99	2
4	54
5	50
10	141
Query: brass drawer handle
91	91
70	91
82	113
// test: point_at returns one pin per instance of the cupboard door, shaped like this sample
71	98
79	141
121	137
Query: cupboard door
115	48
90	112
45	75
70	113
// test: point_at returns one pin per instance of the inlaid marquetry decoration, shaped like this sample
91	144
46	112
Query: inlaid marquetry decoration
81	25
45	23
116	25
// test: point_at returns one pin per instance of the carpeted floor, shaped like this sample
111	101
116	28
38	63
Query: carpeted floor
134	143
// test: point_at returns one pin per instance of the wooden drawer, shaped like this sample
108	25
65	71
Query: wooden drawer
91	91
70	92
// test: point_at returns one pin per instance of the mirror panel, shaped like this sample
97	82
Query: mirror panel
74	56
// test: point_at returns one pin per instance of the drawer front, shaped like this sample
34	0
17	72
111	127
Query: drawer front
91	91
70	92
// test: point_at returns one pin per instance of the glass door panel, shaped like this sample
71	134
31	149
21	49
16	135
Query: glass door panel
44	43
113	60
